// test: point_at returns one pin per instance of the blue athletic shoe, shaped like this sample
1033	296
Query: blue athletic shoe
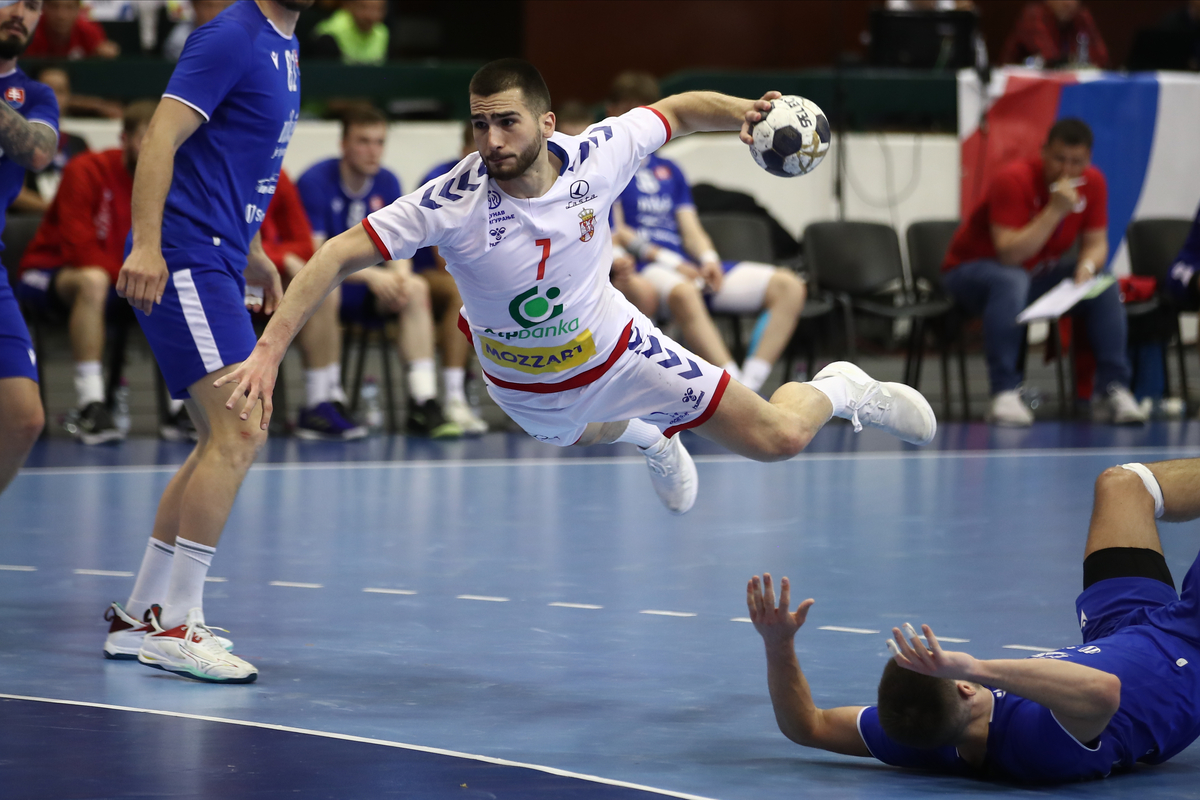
328	421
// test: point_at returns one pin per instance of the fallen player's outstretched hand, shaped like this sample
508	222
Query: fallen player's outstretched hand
911	653
775	624
755	114
255	381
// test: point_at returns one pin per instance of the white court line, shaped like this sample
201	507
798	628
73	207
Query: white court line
15	568
1028	647
668	613
840	629
389	591
919	455
363	740
294	585
576	605
215	580
108	573
482	597
741	619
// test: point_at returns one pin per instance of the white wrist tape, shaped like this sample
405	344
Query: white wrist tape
709	256
1089	265
1152	486
619	252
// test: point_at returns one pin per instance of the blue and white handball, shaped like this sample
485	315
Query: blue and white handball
791	138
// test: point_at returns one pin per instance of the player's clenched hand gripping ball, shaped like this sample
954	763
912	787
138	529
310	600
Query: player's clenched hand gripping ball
791	138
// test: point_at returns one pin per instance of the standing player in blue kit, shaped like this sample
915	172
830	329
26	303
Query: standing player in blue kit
28	140
1129	693
207	171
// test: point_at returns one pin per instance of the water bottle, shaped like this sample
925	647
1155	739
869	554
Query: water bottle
372	410
121	412
1081	51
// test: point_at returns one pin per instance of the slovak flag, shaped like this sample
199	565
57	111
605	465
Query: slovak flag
15	96
1144	125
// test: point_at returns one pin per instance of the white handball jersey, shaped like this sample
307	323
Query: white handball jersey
533	273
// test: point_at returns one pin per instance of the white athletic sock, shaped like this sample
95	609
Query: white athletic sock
333	379
755	373
454	378
89	382
643	434
422	380
316	387
189	568
734	371
834	388
152	579
1151	482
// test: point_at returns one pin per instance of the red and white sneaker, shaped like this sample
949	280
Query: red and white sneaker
193	651
125	634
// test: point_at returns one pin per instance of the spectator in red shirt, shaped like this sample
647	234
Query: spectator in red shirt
1009	252
1055	33
69	268
66	32
287	240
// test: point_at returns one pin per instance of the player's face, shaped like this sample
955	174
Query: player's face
508	136
17	22
1062	160
363	148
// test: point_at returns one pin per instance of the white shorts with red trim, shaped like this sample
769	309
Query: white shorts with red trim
655	380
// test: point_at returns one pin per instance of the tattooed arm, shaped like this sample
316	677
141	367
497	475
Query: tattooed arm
33	145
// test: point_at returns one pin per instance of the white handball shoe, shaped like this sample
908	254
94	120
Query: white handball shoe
462	415
125	634
1008	410
193	651
894	407
1119	407
673	474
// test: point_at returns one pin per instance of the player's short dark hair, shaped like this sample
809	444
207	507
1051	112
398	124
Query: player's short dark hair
575	111
361	115
512	73
137	114
636	88
916	710
1071	132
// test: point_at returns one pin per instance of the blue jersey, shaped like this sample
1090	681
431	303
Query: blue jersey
423	259
243	76
650	201
36	103
331	209
1160	693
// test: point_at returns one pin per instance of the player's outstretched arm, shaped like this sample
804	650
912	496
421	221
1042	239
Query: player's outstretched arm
254	379
833	729
143	276
698	112
30	144
1082	699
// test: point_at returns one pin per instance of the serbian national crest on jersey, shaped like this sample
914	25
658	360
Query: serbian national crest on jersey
15	96
587	225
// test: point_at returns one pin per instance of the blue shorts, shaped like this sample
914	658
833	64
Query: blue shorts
17	358
202	324
358	306
1109	605
36	290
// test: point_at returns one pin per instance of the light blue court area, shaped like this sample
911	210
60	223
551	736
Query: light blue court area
510	601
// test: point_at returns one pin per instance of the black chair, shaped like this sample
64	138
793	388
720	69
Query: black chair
860	263
739	236
928	242
357	336
1153	247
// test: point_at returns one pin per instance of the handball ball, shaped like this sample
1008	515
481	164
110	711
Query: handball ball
791	138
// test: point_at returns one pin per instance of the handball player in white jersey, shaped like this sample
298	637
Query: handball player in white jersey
523	226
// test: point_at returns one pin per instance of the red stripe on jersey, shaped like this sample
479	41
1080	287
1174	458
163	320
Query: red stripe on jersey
582	379
465	328
709	410
666	124
383	251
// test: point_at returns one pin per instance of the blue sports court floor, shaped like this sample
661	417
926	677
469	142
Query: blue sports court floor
501	619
